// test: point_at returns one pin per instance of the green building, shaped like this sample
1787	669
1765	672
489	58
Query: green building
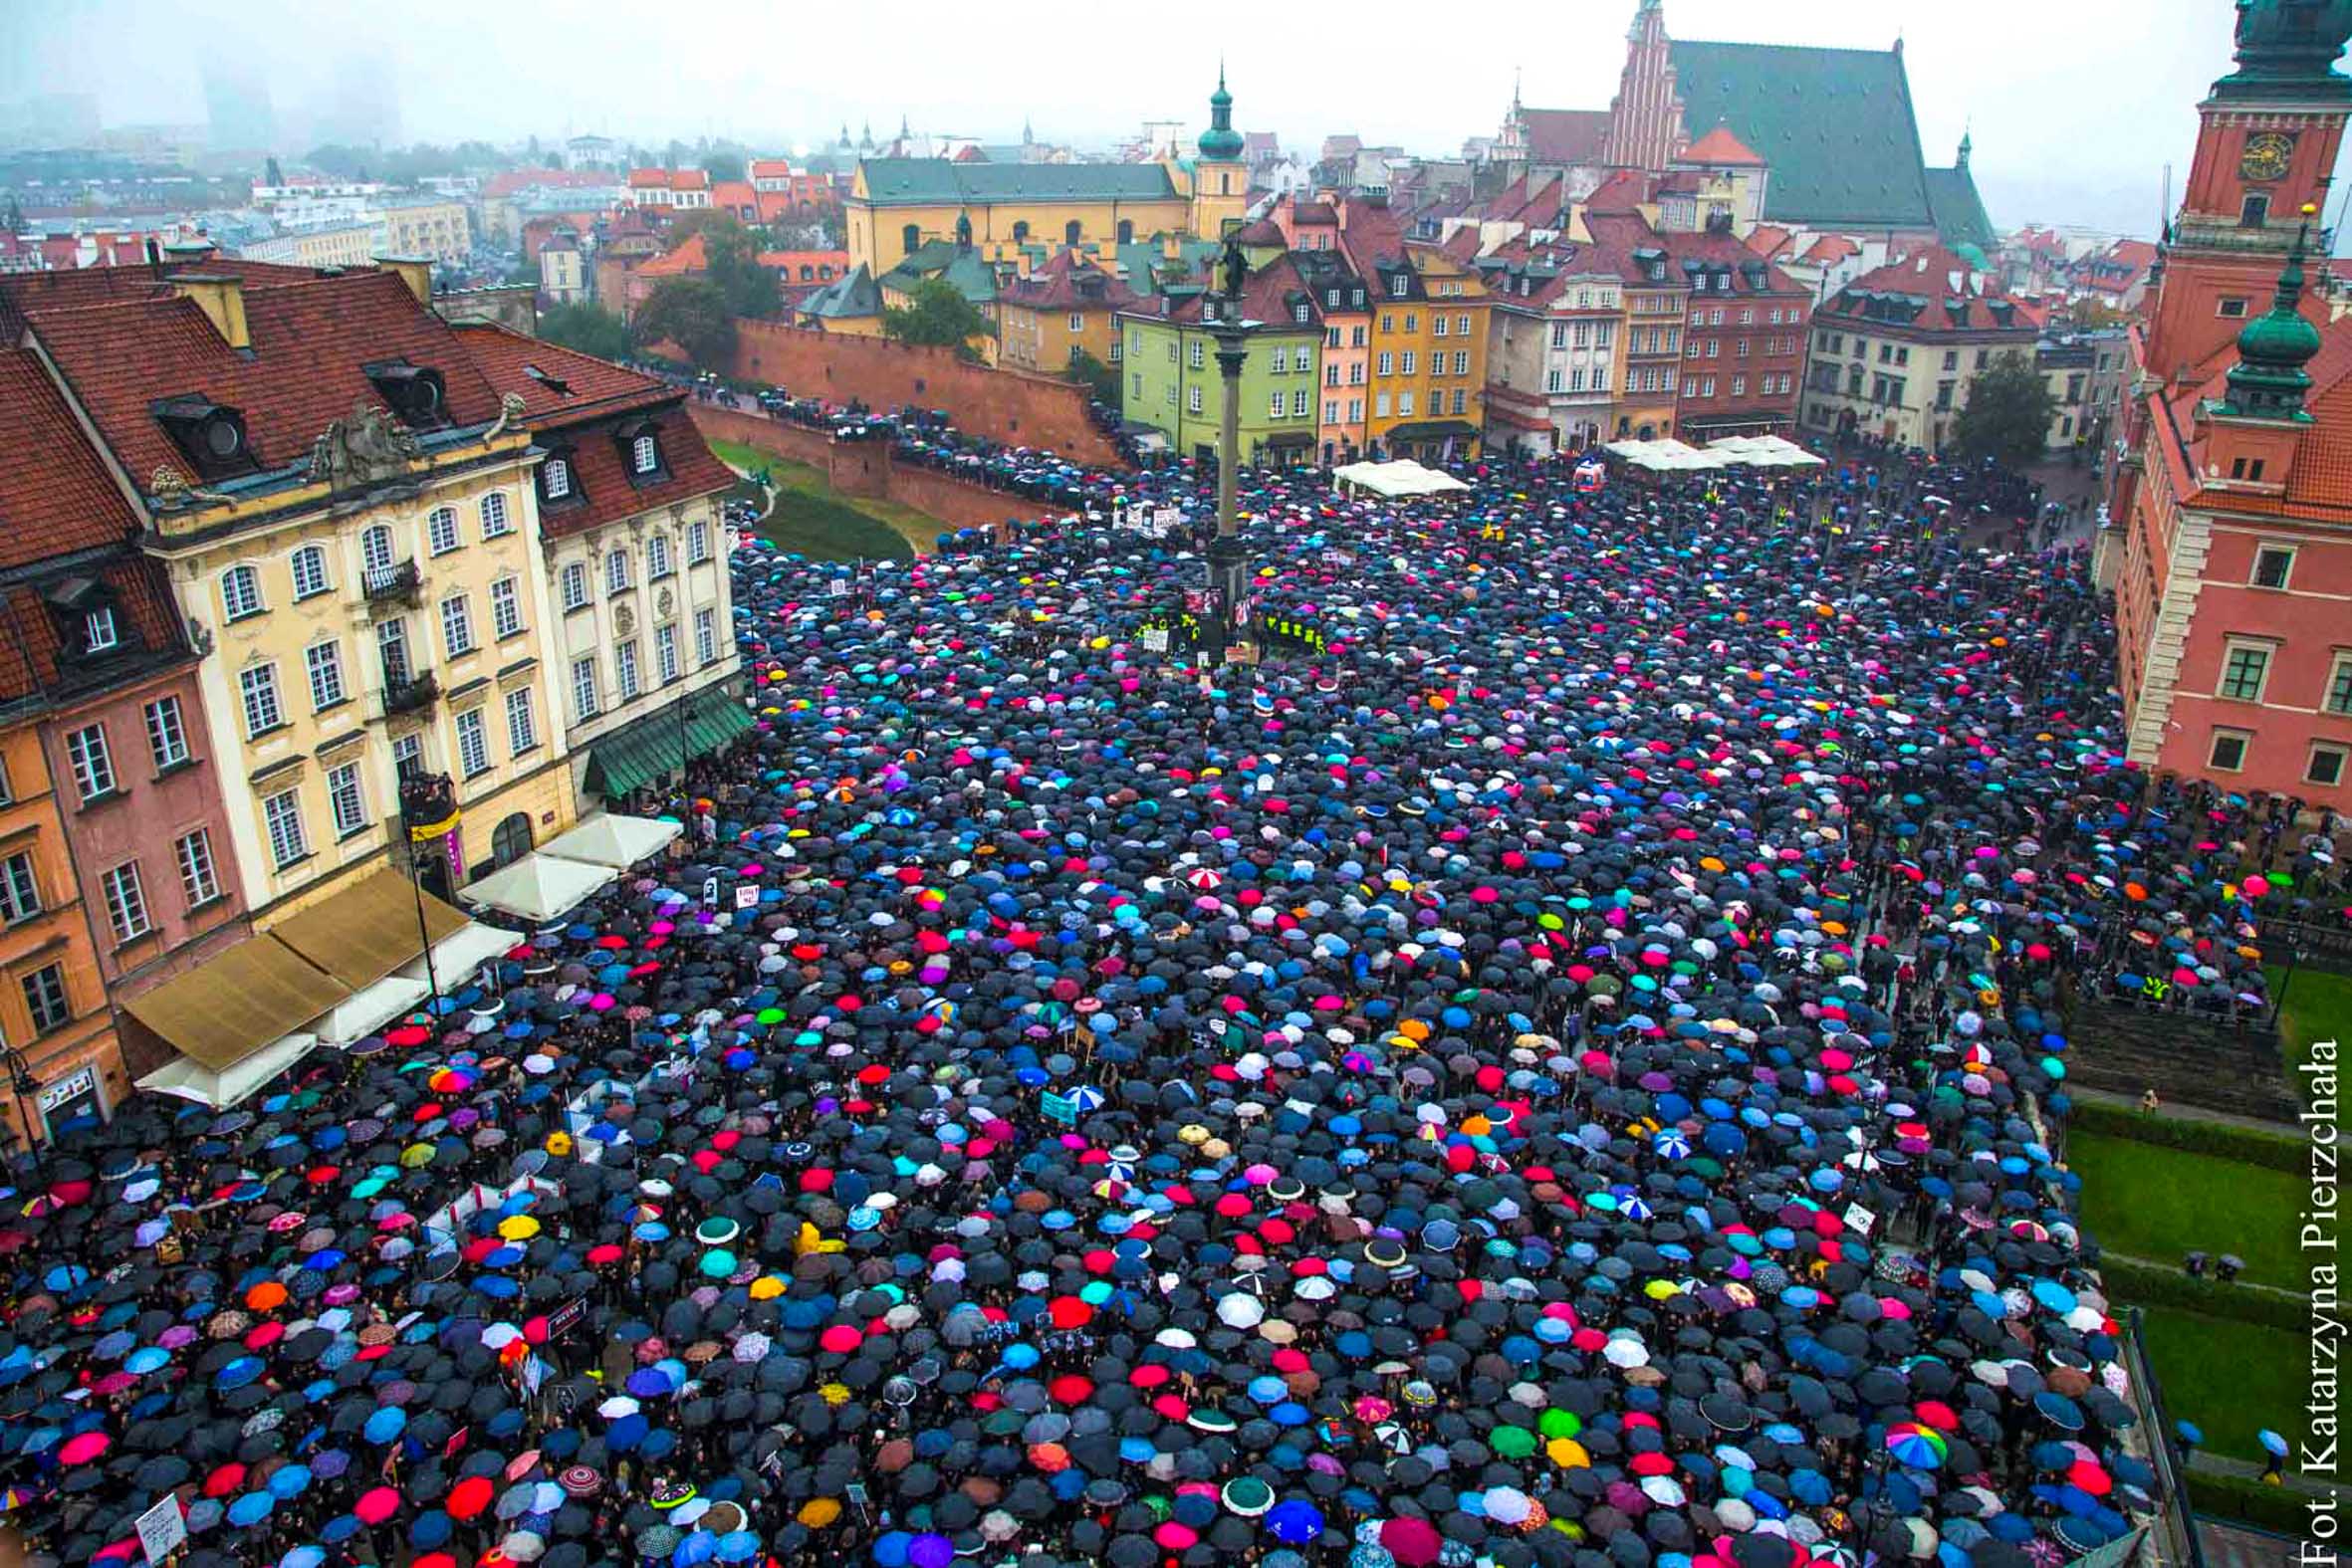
1172	385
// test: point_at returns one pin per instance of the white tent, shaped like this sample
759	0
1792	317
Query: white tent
1665	457
368	1010
609	839
190	1079
1764	450
1404	477
538	887
455	955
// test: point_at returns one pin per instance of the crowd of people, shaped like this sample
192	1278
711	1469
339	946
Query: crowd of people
1553	1063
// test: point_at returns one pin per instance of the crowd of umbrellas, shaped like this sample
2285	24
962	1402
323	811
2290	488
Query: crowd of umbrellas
1557	1075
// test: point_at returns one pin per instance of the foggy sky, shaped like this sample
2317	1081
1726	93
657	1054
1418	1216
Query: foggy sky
2075	104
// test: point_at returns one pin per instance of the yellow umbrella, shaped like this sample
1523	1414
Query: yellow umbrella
518	1227
767	1289
1567	1454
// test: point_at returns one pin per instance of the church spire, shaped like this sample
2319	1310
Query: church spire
1221	142
2269	380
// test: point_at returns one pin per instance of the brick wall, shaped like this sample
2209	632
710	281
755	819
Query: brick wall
864	468
1003	405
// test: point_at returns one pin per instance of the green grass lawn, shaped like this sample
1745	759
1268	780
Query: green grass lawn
2318	1006
808	512
2157	1203
2231	1379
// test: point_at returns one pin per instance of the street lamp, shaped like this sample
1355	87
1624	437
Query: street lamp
21	1083
1228	566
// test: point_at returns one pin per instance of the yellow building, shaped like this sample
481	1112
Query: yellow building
1059	310
337	245
348	513
430	226
1429	313
895	205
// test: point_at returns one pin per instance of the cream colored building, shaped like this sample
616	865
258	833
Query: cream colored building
337	245
349	518
433	226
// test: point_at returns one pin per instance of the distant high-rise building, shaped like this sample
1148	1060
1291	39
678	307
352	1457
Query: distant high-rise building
363	108
237	109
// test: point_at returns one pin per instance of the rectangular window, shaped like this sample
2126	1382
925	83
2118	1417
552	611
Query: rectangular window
1275	405
1192	399
616	571
706	636
698	544
1437	325
1380	405
2246	670
310	572
1694	348
440	531
584	688
576	588
281	813
1738	386
522	722
325	663
1554	381
2326	765
457	626
94	766
1299	402
1387	365
167	737
1194	358
2231	306
2227	754
2274	565
473	743
1740	348
624	660
408	756
1330	410
1331	375
657	558
20	891
665	654
198	877
46	1000
2339	686
98	630
1461	400
344	800
506	608
1356	409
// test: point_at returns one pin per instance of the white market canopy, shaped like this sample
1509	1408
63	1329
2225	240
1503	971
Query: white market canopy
457	956
368	1010
538	887
1765	451
1665	457
190	1079
609	839
1403	476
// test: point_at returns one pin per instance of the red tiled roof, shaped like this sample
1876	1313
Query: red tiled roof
793	261
309	340
507	182
1942	280
1267	298
689	257
733	193
1055	286
1720	146
22	292
1622	192
1768	240
2320	484
1565	136
56	495
603	479
771	168
1829	250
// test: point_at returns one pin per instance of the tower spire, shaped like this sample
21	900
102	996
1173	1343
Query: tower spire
2269	380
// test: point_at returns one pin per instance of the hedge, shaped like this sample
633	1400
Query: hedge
2279	1151
2252	1501
2144	1284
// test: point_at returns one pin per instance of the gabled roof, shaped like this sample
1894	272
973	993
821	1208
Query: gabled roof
691	257
848	297
1960	213
1835	126
770	168
1719	147
1068	282
1272	297
56	495
1621	193
302	373
893	182
1770	239
22	292
1930	290
1564	137
2319	482
733	193
972	277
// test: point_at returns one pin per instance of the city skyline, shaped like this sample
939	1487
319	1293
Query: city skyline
516	78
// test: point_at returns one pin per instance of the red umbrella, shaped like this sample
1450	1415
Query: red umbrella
84	1446
1414	1543
468	1497
376	1505
841	1339
225	1481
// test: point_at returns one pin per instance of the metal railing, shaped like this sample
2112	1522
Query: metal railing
2175	1527
411	695
398	581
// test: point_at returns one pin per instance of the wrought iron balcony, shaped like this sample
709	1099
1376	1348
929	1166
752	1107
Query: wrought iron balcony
400	582
427	799
411	695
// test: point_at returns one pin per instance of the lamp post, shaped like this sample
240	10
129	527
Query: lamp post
1228	566
22	1082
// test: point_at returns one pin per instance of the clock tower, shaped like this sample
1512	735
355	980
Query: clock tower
2267	145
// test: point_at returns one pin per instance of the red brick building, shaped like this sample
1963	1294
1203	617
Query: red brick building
1744	349
2231	554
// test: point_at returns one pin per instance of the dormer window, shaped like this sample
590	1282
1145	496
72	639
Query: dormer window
639	444
644	456
98	630
415	393
210	436
1298	311
1399	284
554	478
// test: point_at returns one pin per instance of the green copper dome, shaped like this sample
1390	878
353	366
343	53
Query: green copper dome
2270	382
1221	142
2287	48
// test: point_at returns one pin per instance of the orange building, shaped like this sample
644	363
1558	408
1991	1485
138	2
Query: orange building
2231	560
1064	307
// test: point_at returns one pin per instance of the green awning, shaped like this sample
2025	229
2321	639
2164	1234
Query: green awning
658	743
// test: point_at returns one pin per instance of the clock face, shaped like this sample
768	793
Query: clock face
2267	157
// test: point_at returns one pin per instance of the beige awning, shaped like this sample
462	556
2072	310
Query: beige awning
367	930
233	1004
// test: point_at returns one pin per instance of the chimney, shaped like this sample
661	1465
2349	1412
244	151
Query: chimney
415	271
221	296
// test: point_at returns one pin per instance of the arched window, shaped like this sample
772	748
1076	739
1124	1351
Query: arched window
644	456
376	547
240	592
1126	231
910	238
309	564
1021	232
510	841
494	514
616	571
1073	231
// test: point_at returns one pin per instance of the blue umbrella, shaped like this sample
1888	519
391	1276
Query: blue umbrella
387	1423
738	1546
1296	1521
2273	1444
2059	1410
251	1508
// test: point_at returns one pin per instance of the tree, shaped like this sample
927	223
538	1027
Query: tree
1098	379
691	312
2007	413
732	253
586	328
14	223
723	165
937	315
274	175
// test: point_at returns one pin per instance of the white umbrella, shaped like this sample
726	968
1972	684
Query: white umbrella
1241	1311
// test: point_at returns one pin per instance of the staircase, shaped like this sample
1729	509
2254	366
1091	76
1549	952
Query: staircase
2187	1061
